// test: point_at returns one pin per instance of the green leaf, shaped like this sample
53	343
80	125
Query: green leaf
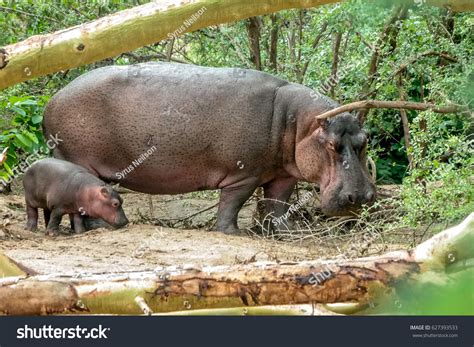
7	168
31	136
26	143
26	102
37	119
18	110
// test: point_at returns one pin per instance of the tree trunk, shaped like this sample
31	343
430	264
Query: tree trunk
176	289
405	123
274	42
253	32
335	61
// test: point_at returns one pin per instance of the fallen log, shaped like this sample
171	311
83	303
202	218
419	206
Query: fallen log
39	298
172	289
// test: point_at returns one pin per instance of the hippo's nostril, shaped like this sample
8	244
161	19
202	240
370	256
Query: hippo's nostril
350	198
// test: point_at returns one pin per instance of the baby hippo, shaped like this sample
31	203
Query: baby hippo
60	187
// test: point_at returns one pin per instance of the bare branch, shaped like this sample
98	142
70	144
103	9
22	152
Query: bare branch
408	105
414	59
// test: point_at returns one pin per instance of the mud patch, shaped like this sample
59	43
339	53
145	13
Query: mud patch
139	246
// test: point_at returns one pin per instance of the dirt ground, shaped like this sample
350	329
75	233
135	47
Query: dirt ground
141	245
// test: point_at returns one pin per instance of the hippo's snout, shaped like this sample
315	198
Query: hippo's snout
347	202
357	199
121	220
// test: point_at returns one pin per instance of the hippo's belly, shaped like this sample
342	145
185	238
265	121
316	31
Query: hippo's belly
167	128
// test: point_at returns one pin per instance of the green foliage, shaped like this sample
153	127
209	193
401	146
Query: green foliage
441	185
23	135
439	295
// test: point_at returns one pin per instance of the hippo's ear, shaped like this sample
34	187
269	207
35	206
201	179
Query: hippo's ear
321	123
104	192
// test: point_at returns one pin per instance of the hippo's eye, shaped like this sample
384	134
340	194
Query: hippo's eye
332	146
115	204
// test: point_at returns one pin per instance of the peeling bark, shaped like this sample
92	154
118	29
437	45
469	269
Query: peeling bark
30	297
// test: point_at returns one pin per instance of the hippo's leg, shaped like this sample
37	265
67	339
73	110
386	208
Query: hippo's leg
276	194
231	201
71	220
53	225
32	215
77	223
47	216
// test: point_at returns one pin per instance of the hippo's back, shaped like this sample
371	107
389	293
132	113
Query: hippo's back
185	124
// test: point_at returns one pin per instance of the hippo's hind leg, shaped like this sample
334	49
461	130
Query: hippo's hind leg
276	194
77	223
47	216
55	219
231	201
32	217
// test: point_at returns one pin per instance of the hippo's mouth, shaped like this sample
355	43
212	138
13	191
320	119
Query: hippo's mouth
119	222
332	206
340	211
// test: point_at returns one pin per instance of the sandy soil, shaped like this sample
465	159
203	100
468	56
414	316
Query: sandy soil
142	245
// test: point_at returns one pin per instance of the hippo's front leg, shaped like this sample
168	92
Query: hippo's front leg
276	194
54	221
231	201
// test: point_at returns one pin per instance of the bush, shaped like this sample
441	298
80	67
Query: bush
23	135
440	187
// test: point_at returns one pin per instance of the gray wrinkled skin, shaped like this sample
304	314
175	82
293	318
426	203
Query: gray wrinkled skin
59	187
213	128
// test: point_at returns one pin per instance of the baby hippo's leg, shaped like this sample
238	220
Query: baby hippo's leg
77	223
53	225
32	215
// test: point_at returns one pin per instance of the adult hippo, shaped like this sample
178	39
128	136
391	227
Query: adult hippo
162	128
